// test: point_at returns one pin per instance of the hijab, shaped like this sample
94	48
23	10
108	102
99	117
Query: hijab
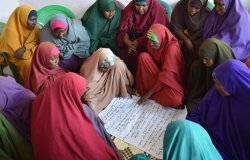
59	126
181	20
40	74
168	56
16	34
232	28
216	50
225	117
16	104
76	42
102	31
185	139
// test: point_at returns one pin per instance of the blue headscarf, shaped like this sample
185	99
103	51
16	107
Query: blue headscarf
186	140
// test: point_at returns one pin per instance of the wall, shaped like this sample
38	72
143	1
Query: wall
77	6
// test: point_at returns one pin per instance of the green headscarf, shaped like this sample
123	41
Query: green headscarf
186	140
106	5
215	50
102	31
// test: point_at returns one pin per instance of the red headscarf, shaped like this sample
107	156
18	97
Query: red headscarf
60	129
40	74
168	57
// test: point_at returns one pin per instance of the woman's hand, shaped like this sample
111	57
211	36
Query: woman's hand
19	52
145	97
132	45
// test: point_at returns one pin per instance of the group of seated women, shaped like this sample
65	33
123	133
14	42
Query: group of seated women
193	59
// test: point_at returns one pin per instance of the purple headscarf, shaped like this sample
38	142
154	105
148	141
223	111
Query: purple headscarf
226	119
232	28
15	104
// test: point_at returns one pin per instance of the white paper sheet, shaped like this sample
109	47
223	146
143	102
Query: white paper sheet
142	126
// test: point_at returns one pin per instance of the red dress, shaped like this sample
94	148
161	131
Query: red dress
60	129
162	70
136	26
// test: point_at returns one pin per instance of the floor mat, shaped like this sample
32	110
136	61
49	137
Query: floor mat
129	150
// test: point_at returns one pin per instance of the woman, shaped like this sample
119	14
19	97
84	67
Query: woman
187	22
15	106
161	69
187	140
137	17
70	37
102	20
107	77
44	68
19	37
62	129
224	111
212	53
229	21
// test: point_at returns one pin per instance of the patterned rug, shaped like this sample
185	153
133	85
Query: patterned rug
129	150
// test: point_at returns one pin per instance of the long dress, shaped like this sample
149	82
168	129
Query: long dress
102	87
136	26
226	117
15	108
61	128
162	70
190	26
73	47
232	28
16	35
200	77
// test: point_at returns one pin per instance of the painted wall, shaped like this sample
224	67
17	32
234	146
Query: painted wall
77	6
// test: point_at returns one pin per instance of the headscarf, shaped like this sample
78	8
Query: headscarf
32	13
185	139
226	117
76	42
59	24
60	128
102	31
107	60
16	35
216	50
103	87
16	104
134	22
141	2
90	68
40	75
232	28
169	57
181	20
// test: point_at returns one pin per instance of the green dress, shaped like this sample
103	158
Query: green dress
12	144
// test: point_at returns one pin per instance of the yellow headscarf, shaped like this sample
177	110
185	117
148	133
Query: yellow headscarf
16	35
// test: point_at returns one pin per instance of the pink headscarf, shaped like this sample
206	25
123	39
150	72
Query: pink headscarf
59	24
